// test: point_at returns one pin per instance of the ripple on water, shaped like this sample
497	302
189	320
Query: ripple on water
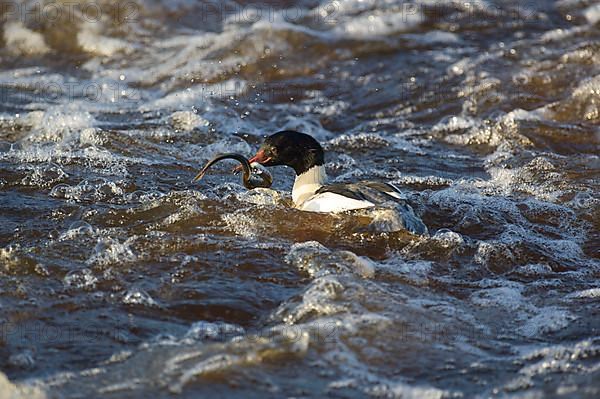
485	115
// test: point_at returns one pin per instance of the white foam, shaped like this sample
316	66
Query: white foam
376	24
559	359
454	123
180	216
198	96
535	269
297	118
592	14
43	176
360	141
562	34
243	224
187	120
91	41
434	37
10	256
185	57
90	190
401	390
185	367
220	331
405	179
109	251
261	196
21	40
78	229
82	279
137	296
361	265
20	390
549	320
314	258
585	96
22	360
417	272
448	238
508	297
64	124
589	293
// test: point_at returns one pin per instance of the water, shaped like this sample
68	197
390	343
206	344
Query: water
120	278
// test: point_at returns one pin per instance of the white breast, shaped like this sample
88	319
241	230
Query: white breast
307	184
331	202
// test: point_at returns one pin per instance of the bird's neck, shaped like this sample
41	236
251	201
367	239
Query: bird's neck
308	183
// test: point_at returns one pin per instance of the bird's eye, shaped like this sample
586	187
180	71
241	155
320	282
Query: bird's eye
271	152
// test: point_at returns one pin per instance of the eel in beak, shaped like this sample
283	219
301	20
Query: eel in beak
260	177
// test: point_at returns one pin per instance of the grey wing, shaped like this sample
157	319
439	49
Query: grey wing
379	194
353	191
385	190
374	192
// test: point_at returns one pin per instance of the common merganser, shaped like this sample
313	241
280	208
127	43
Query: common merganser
310	193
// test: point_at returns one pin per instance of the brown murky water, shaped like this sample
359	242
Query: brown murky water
120	278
